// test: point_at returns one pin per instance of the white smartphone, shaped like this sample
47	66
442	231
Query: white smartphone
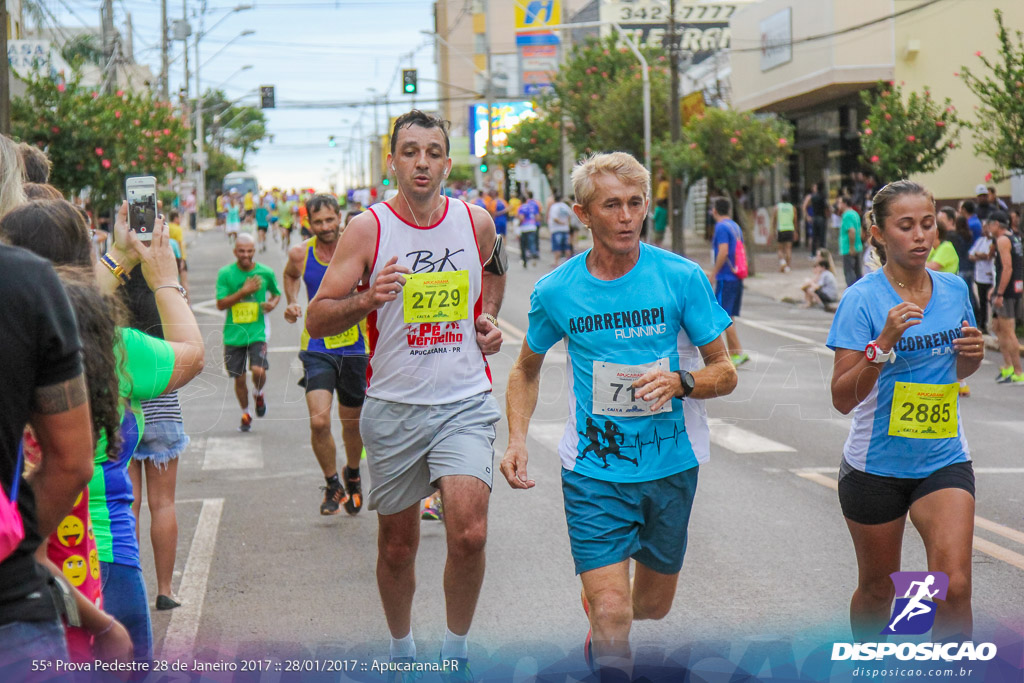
141	193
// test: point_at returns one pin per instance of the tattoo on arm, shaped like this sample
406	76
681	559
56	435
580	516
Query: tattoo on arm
60	398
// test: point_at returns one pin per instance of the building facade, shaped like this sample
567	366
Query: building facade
808	61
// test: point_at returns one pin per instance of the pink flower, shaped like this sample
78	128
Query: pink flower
105	163
61	87
952	145
594	96
136	122
171	156
885	93
892	82
867	122
167	131
940	124
978	53
120	93
874	159
95	95
734	140
179	169
135	163
783	142
99	151
604	74
693	145
956	74
951	109
988	176
911	138
867	131
117	114
579	84
54	130
888	116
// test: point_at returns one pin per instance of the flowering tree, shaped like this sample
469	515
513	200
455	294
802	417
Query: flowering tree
902	136
538	140
999	125
590	81
95	140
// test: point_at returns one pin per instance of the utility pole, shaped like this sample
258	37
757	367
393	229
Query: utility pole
109	46
489	91
5	75
164	57
189	150
200	135
676	199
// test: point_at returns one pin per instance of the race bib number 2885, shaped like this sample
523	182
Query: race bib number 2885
924	411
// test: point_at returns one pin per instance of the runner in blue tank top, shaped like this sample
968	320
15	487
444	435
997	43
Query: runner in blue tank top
644	336
903	336
335	364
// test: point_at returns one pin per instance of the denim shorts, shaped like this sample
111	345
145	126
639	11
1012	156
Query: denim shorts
23	642
162	442
560	241
610	522
124	598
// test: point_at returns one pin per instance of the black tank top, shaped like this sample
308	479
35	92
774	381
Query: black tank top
1013	289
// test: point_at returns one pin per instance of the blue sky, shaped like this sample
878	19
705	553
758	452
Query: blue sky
310	50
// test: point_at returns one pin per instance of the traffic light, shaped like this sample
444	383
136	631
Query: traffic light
267	97
331	142
409	86
483	166
386	181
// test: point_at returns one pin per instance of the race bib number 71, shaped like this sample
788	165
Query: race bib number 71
614	393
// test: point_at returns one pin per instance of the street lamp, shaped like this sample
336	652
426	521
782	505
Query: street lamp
200	142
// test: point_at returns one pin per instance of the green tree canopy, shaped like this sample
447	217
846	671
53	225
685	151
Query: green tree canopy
96	140
999	125
537	140
902	136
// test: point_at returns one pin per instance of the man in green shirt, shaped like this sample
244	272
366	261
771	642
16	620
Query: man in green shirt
850	244
242	289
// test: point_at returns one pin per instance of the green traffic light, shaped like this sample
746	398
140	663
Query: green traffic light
483	168
409	87
386	182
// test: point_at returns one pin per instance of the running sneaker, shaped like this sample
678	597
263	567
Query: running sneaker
965	391
1006	379
457	670
739	359
1017	379
261	405
354	488
1004	373
432	509
246	423
402	676
334	497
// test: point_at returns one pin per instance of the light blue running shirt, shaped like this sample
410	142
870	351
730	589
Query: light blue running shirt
922	430
658	313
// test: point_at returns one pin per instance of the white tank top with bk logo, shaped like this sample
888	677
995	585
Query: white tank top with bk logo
424	348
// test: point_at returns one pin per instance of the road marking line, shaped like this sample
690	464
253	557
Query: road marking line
816	346
988	547
284	349
548	434
180	639
999	552
506	326
1001	529
740	440
977	470
233	453
1006	424
204	307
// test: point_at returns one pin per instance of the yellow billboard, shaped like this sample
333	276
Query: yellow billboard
537	15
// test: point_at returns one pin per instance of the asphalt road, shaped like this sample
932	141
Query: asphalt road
262	574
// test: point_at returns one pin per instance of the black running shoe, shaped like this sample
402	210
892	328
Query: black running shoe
261	406
334	497
354	488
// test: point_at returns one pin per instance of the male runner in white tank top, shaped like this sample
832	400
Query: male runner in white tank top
428	420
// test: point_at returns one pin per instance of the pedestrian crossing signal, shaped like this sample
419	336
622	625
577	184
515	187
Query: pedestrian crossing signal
409	86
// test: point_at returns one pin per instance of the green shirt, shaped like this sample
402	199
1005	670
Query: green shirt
945	255
785	215
851	220
284	213
230	279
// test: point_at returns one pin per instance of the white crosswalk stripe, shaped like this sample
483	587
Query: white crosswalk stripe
739	440
234	453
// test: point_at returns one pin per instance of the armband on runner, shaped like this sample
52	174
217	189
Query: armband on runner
497	263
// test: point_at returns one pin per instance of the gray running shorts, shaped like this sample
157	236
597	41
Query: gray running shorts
409	447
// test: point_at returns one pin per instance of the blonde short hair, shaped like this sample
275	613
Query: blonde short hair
12	176
620	164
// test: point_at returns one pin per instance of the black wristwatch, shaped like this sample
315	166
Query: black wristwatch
687	381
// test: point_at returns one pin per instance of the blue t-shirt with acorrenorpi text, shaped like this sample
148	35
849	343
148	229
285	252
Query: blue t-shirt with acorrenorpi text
909	425
658	313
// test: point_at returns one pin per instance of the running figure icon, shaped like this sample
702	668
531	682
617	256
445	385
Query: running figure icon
916	605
